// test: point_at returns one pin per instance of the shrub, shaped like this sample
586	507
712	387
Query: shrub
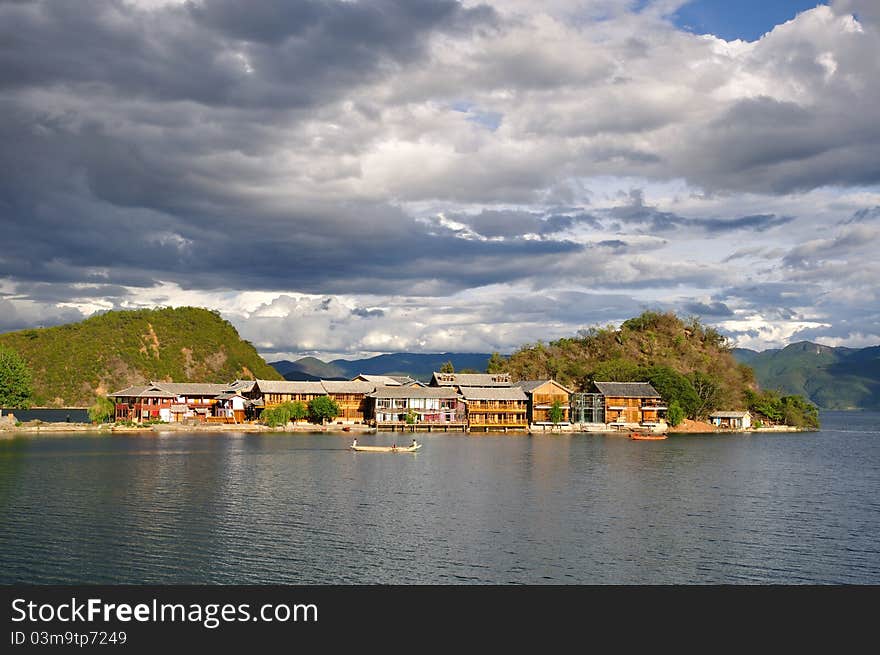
103	410
675	414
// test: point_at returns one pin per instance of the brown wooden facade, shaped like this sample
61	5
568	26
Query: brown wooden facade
277	392
541	396
351	397
494	408
631	403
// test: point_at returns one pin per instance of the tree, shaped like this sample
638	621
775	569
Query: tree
674	387
298	411
323	408
708	391
447	367
497	364
675	414
15	380
103	410
618	370
556	412
411	417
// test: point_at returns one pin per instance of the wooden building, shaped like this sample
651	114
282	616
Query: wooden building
496	408
631	403
276	392
541	396
165	401
400	407
731	420
388	380
351	396
460	380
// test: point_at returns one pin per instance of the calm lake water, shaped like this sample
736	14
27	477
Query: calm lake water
297	509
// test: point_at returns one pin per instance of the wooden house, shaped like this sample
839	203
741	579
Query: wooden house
631	403
276	392
165	401
542	394
351	396
417	407
460	380
144	402
495	408
731	420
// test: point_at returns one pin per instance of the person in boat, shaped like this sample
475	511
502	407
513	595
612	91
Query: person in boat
354	443
413	444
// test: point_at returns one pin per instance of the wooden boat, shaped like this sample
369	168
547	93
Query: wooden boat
387	449
646	436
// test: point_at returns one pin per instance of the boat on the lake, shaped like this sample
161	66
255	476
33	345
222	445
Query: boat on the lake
646	436
385	449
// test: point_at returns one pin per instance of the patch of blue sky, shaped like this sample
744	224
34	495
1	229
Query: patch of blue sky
488	119
743	19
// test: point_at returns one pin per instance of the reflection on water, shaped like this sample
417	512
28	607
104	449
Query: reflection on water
293	508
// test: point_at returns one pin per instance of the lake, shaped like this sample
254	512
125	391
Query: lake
586	509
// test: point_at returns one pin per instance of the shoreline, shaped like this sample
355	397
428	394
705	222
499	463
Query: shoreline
256	428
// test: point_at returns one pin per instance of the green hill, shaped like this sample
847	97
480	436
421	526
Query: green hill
74	363
655	347
832	378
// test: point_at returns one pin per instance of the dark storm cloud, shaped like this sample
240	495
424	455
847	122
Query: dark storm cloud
862	215
637	212
362	312
773	298
218	52
714	310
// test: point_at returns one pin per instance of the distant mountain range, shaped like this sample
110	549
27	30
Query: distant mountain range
833	378
419	366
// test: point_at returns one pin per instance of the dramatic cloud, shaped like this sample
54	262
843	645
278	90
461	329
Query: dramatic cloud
438	175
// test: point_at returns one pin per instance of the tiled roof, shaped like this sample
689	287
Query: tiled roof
470	379
627	389
414	392
347	386
493	393
378	380
290	386
530	385
728	414
192	388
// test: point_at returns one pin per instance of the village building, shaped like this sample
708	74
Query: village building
631	403
470	379
388	380
542	394
731	420
414	407
351	397
276	392
496	408
168	401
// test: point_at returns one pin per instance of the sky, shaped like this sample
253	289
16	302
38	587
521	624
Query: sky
342	179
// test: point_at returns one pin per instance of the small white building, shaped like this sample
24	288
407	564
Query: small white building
731	420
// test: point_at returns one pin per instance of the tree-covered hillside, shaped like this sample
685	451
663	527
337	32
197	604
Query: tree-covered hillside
73	364
691	365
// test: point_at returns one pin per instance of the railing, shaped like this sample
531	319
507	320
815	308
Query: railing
496	408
